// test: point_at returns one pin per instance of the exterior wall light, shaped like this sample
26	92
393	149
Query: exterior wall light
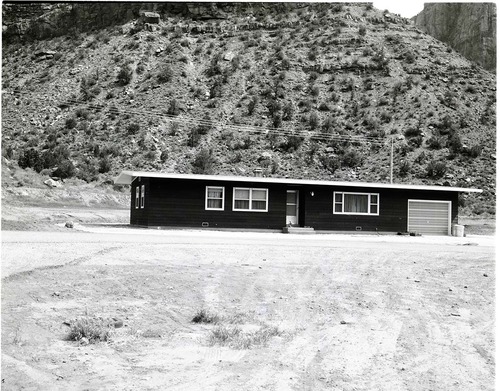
312	193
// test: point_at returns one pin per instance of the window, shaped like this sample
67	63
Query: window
254	200
214	199
355	203
137	197
143	191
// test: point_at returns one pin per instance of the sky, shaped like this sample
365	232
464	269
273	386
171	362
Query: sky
406	9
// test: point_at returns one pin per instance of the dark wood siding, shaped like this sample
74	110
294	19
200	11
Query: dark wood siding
393	209
139	216
180	202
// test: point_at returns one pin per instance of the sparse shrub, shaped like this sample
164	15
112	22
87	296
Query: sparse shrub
234	337
173	108
352	158
409	57
404	168
362	31
165	74
124	75
204	162
455	143
252	104
313	120
288	111
324	107
434	143
204	316
292	143
30	158
65	169
194	138
70	123
104	165
412	132
475	151
133	128
331	163
92	329
436	169
314	90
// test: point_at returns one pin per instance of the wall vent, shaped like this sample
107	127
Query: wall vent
359	228
205	224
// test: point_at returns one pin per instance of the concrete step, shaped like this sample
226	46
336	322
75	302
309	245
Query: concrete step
299	230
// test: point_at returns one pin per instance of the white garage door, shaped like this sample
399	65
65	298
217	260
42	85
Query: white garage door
429	217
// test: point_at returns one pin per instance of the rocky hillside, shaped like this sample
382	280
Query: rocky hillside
469	28
315	91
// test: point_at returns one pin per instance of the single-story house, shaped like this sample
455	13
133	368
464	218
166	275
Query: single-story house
185	200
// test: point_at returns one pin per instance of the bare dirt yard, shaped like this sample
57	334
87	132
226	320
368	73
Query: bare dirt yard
283	312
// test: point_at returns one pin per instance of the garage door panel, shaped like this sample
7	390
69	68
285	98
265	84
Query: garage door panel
429	217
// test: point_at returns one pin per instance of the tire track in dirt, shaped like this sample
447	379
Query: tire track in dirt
74	262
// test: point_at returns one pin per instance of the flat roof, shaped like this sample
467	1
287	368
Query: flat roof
127	177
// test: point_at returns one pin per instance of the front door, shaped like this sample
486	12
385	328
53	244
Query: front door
292	207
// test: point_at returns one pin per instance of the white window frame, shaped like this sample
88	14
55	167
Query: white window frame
223	197
369	195
250	199
137	197
143	195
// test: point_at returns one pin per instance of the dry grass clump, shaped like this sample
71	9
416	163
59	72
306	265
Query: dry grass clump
89	330
236	338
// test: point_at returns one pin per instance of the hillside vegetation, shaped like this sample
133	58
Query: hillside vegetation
316	91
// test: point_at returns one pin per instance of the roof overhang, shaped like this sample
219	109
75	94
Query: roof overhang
127	177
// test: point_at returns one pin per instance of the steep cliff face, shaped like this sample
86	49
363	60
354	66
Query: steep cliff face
27	21
470	28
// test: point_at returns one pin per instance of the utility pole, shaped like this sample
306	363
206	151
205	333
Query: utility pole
392	157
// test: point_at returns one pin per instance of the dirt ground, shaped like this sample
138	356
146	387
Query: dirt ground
353	312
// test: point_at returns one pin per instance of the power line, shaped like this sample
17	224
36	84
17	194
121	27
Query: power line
113	109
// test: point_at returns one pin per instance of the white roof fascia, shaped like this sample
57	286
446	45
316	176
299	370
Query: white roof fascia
127	177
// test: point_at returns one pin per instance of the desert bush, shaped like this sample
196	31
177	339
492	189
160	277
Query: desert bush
288	111
292	143
455	143
252	104
352	158
124	75
173	108
331	163
404	168
313	120
234	337
92	329
205	316
65	169
412	132
435	169
165	74
104	165
194	138
434	143
30	158
70	123
204	162
475	150
133	128
362	31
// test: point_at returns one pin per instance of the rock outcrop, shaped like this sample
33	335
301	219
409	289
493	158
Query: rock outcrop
469	28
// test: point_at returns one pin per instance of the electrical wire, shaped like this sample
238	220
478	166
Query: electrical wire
186	120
